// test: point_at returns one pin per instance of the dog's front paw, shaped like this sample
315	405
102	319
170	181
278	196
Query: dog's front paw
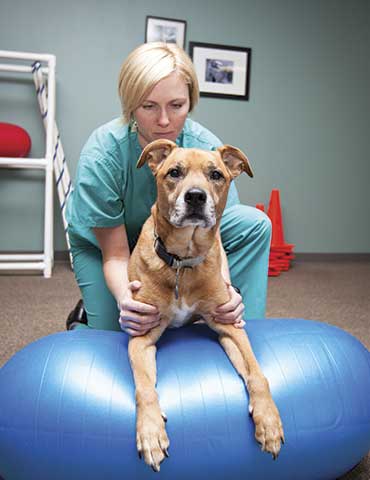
269	429
152	440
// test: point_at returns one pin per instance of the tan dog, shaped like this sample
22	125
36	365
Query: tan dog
183	229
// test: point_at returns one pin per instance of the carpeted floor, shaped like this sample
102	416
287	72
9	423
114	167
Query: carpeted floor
334	292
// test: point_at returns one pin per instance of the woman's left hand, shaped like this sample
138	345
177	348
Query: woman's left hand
231	311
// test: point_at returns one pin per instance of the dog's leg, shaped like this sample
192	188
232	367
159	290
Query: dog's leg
269	430
151	437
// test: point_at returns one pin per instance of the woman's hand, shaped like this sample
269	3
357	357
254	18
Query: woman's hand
136	318
231	311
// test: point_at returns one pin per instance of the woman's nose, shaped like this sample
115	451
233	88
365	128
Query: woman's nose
163	120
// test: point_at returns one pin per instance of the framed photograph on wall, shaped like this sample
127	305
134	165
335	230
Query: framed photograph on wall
223	71
169	30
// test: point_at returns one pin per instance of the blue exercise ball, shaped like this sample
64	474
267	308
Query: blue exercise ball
67	406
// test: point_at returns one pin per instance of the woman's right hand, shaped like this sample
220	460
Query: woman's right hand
136	318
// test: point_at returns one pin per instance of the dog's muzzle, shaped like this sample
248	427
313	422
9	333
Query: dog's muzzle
195	198
195	207
195	202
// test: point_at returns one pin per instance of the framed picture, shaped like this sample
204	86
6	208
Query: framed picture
223	71
169	30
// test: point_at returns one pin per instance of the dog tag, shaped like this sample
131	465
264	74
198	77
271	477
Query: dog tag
177	283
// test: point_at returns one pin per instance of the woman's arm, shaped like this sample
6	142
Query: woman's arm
224	264
136	318
114	246
232	311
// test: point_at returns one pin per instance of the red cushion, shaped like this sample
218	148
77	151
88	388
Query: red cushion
14	141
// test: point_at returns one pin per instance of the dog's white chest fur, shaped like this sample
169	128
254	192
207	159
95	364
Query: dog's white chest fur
181	314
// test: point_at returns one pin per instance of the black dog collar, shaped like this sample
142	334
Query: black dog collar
174	261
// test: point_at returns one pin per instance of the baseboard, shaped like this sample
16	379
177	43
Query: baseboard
332	257
63	256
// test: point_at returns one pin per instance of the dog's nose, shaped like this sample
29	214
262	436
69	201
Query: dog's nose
195	197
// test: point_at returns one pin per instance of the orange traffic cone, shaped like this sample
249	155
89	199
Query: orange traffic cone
274	212
280	252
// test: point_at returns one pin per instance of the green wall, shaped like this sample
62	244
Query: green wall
305	128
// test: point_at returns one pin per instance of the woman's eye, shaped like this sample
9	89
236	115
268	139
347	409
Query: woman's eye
174	173
177	106
216	175
147	107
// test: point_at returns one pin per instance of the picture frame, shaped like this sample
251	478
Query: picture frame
168	30
223	71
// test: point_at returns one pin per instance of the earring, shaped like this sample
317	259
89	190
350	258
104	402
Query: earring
133	125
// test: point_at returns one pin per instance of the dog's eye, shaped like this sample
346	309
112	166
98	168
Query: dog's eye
174	173
216	175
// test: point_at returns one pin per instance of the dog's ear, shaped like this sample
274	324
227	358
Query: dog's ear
155	152
235	160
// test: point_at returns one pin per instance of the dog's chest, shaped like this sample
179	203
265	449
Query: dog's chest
181	314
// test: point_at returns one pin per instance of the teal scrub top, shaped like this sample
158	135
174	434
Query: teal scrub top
109	190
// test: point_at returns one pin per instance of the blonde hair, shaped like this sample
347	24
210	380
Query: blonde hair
146	66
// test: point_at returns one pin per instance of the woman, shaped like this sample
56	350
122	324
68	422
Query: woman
112	199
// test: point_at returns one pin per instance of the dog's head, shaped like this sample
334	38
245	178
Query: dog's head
193	184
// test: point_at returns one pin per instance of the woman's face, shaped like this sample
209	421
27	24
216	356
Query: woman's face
163	113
